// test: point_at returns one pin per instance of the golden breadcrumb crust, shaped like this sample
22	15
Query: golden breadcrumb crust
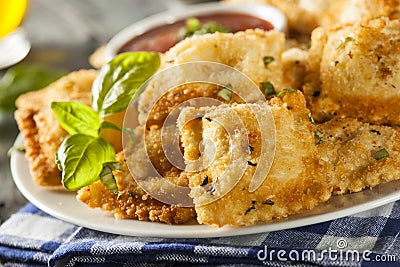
243	51
132	202
349	146
42	132
353	71
297	179
356	11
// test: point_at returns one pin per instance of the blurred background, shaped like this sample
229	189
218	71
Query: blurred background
63	34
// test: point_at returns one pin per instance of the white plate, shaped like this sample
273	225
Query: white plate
63	205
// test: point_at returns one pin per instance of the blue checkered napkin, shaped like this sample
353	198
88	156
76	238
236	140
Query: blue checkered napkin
30	237
33	238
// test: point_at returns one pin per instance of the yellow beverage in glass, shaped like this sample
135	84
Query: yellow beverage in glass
11	14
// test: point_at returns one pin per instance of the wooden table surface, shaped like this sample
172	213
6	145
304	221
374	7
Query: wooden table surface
63	34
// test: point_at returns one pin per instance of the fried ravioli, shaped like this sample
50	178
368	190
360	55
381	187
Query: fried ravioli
297	179
360	155
336	157
155	115
353	71
132	202
144	159
244	51
41	130
356	11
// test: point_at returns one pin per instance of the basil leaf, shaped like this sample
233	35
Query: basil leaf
119	81
81	158
107	176
76	118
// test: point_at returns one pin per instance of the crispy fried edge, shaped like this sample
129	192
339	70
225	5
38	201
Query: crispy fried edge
42	166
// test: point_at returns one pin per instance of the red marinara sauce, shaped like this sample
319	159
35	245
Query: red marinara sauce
162	38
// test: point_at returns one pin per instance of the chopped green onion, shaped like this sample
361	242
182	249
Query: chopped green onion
226	92
268	202
381	154
326	115
319	135
350	39
269	89
267	60
194	27
346	40
284	91
193	24
310	117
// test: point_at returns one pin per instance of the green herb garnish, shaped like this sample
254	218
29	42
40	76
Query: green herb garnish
326	115
81	157
120	80
267	60
285	91
269	89
319	135
345	41
76	118
381	154
107	176
268	202
84	157
194	27
310	117
226	92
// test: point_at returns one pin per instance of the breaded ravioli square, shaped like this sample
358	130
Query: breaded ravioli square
356	11
40	128
353	71
243	51
296	181
360	155
132	201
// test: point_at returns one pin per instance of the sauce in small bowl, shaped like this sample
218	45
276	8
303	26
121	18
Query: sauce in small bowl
160	32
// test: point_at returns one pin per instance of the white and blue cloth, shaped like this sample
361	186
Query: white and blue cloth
372	238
